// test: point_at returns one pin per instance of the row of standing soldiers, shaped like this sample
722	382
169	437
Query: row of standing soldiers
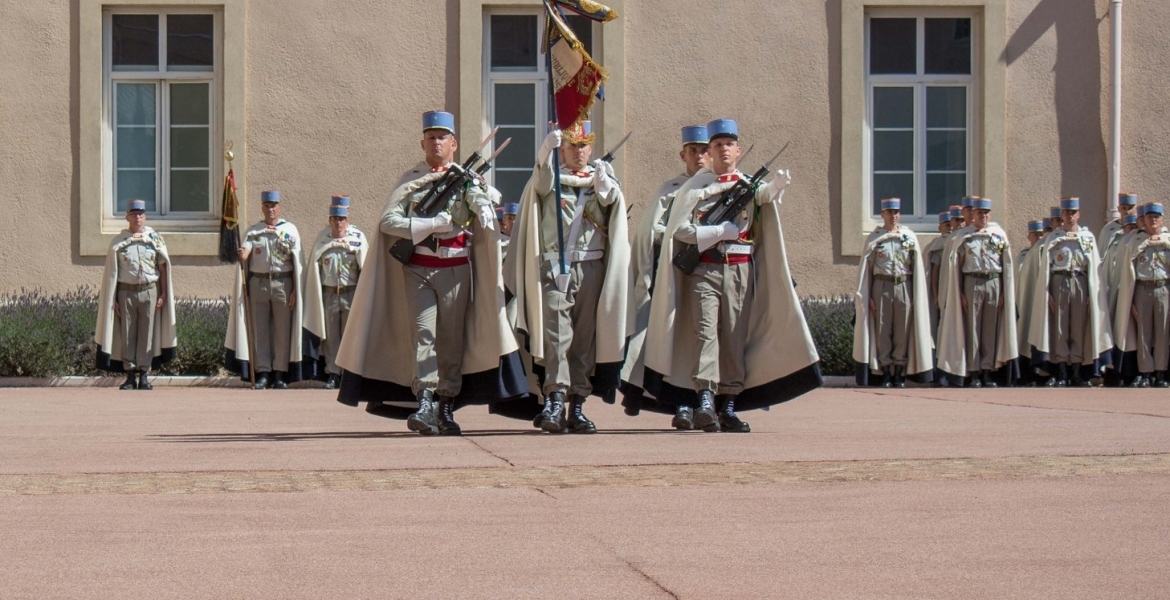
530	307
1072	307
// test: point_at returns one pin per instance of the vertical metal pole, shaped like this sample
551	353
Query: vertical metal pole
1115	113
556	154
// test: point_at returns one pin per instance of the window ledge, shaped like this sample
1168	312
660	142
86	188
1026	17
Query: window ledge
204	243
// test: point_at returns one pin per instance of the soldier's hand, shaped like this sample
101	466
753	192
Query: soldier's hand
730	232
292	301
1051	304
552	141
1133	311
965	307
442	222
872	306
242	252
117	310
160	302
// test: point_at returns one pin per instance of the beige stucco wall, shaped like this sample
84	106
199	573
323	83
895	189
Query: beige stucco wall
334	92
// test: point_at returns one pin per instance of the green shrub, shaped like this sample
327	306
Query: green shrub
830	319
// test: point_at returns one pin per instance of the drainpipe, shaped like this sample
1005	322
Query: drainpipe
1114	112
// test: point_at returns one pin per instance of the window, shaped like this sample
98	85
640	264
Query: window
162	133
919	121
516	92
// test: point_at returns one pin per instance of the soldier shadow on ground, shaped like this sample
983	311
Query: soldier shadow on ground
217	438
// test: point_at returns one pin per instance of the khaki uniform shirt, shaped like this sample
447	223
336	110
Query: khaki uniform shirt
339	265
594	221
273	250
891	258
1153	263
1068	255
138	263
982	254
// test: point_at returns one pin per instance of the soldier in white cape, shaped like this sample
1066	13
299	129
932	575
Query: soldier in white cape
973	279
1024	288
779	356
645	249
331	276
1139	317
136	301
918	341
1063	251
1126	201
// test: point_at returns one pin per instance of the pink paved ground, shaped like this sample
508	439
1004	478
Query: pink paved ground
1044	535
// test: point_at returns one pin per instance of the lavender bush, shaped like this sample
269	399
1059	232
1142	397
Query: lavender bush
830	319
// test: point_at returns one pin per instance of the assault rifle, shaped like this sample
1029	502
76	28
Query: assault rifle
730	203
443	193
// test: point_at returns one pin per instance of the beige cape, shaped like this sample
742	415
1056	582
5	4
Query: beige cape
108	333
938	244
781	356
236	358
952	336
314	320
918	365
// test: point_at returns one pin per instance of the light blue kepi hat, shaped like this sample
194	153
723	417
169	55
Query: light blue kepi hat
272	196
1127	199
1072	203
892	204
437	119
981	203
134	205
1054	212
968	201
1035	226
722	128
956	212
1129	220
1141	210
694	134
511	208
944	217
1154	209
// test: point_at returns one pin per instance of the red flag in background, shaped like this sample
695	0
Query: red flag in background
576	79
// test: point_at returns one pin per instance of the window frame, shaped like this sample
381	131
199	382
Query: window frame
170	221
921	220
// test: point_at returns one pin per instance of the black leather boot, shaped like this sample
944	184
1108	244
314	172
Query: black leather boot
989	379
278	381
900	377
131	382
578	422
143	382
332	382
261	380
553	415
705	416
423	419
728	420
1160	380
684	419
887	377
1138	380
1062	376
976	380
445	415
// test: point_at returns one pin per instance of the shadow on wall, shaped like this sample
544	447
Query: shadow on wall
833	185
1077	73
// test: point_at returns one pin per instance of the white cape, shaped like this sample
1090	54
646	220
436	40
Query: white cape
108	332
314	317
952	341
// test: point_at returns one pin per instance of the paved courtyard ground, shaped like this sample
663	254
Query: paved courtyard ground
228	493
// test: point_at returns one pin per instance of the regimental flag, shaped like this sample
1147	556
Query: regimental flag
576	79
229	227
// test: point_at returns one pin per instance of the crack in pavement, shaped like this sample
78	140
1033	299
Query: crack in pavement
1068	408
587	476
477	445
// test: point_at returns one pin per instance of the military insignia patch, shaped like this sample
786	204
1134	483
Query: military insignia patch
326	262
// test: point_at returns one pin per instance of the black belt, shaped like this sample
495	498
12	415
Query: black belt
1161	283
986	276
895	279
1070	273
271	276
136	287
338	289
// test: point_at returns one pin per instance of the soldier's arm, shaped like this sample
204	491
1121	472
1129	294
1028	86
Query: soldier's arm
395	222
773	191
245	250
163	273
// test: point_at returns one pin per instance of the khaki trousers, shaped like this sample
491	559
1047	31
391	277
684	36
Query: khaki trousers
720	298
137	321
891	321
982	322
336	316
438	299
1068	323
272	322
1153	327
570	327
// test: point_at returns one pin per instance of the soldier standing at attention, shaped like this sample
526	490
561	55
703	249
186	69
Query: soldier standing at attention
335	264
932	259
1142	320
136	310
1125	206
271	253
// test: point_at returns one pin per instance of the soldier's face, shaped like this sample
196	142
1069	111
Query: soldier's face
1033	237
980	218
956	224
891	217
136	219
439	146
967	214
1125	209
1057	222
1070	218
1153	223
576	156
944	227
338	225
507	224
271	212
695	156
724	152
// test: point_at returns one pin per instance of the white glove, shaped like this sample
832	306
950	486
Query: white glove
603	179
487	215
774	190
729	232
421	227
709	235
552	141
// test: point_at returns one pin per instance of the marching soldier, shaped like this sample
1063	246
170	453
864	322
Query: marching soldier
571	299
136	309
978	332
418	347
335	264
646	249
891	336
1068	325
728	335
271	256
1112	230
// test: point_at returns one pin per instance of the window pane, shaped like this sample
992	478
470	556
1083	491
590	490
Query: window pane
893	46
515	104
134	42
135	185
511	184
136	148
189	147
190	103
943	190
189	42
946	150
894	186
948	46
893	107
946	107
136	104
583	29
521	153
189	191
514	42
893	151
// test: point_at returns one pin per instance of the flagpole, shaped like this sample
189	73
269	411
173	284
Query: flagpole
249	326
556	153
